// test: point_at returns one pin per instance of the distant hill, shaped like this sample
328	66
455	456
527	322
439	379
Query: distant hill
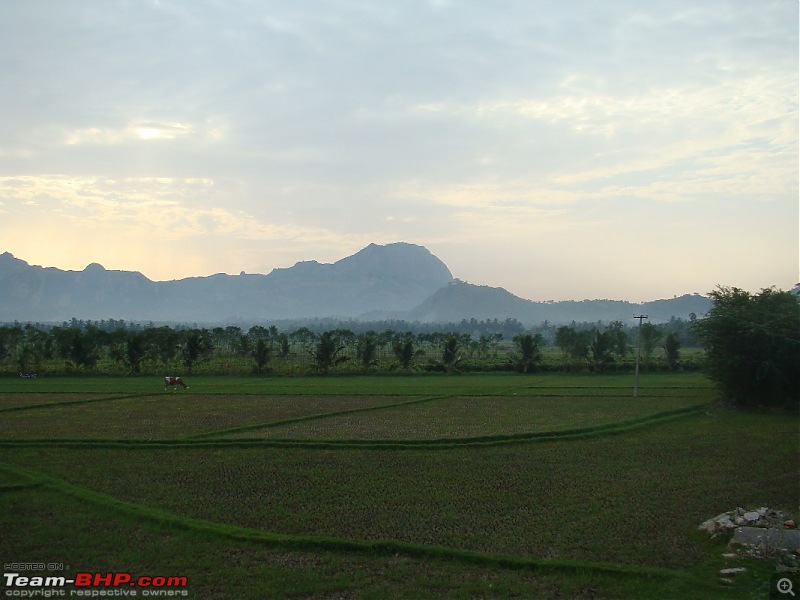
392	277
395	281
459	300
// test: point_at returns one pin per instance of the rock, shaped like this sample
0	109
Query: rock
720	516
732	571
762	532
772	538
751	516
721	521
710	526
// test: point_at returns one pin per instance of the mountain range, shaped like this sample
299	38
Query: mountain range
396	281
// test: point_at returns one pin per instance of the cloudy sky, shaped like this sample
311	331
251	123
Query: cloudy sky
562	149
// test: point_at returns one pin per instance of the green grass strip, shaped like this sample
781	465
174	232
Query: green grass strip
24	480
434	444
313	417
11	487
333	544
481	441
73	402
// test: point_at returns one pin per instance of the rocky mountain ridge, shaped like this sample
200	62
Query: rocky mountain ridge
393	281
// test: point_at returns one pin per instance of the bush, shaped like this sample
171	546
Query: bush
752	345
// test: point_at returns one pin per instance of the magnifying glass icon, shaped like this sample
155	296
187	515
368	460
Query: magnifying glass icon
785	586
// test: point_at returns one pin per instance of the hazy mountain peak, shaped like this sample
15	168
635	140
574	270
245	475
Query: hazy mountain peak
398	280
399	259
394	277
6	258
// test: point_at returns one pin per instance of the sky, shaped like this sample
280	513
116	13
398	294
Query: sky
564	149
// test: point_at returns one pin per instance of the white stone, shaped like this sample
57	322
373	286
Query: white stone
720	516
732	571
725	522
751	516
710	526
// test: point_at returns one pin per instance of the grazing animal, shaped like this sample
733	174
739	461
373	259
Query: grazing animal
174	382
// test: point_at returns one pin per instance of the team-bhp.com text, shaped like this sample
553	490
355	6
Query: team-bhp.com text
94	585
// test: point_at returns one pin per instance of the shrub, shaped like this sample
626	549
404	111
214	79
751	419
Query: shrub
752	345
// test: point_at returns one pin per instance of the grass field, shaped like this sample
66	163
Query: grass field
472	486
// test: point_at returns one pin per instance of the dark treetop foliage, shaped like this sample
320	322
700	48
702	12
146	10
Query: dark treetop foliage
752	344
143	349
529	353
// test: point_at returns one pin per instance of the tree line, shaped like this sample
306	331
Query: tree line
118	347
750	347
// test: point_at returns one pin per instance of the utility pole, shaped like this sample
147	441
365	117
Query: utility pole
638	355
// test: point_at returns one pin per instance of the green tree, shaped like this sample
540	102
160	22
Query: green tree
404	350
135	352
601	349
451	353
31	348
116	344
197	347
328	351
573	344
283	345
6	343
565	339
262	353
672	347
619	338
528	351
752	344
651	336
162	345
82	351
304	338
367	349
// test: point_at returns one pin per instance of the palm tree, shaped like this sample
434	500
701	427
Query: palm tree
366	348
451	354
404	350
327	352
672	346
529	351
198	346
262	354
135	352
601	349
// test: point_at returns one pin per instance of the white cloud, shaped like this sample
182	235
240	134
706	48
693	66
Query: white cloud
156	208
143	130
296	133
